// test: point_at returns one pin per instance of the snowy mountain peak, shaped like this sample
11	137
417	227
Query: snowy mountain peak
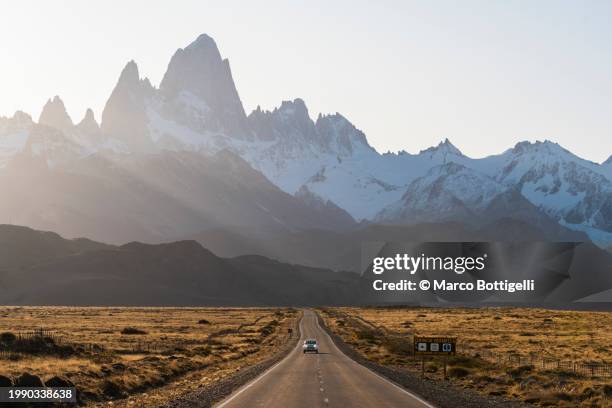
343	136
573	191
289	124
448	191
546	146
54	114
294	111
544	154
549	150
444	149
608	162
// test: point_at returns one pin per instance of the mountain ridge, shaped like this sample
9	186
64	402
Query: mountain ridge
43	268
197	109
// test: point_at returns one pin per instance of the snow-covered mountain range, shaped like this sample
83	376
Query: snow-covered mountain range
326	164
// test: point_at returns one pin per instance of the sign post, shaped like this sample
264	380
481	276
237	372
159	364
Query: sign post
434	346
422	366
445	359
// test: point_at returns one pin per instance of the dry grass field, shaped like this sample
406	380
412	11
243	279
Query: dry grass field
516	353
137	356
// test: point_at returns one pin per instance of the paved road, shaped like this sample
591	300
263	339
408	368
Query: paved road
327	379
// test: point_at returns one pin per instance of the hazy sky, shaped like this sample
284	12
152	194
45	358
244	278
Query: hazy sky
485	74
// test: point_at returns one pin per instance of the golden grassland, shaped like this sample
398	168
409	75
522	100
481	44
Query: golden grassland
489	343
138	356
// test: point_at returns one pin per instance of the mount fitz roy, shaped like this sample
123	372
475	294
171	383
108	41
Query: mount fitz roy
185	159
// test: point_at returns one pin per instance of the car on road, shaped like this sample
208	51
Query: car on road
310	346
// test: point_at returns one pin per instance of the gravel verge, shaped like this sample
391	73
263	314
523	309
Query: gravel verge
207	395
441	394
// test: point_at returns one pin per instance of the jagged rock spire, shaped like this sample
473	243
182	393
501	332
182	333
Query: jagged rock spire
199	70
124	115
445	148
89	123
54	114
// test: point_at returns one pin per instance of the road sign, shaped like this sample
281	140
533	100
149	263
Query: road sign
435	346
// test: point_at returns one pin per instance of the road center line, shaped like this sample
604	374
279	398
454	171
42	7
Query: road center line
427	404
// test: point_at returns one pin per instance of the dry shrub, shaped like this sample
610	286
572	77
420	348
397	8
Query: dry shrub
465	361
484	379
458	372
367	335
269	328
399	346
520	371
587	392
7	338
114	389
562	396
132	331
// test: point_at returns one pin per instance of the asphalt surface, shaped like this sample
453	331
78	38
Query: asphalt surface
327	379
